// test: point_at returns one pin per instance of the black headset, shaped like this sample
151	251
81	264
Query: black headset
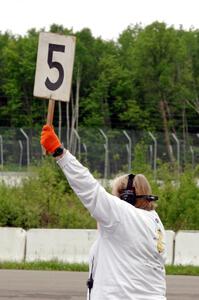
129	194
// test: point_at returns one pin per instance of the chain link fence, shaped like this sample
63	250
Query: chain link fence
105	151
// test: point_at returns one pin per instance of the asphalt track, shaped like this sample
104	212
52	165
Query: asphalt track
17	284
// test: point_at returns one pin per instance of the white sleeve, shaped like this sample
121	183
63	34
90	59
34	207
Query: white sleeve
104	207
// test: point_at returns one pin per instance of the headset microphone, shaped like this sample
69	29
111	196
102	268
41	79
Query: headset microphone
148	197
129	194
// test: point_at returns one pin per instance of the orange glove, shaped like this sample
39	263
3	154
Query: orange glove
49	140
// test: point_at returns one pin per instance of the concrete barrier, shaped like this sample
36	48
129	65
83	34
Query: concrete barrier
66	245
72	245
12	244
170	236
14	178
187	248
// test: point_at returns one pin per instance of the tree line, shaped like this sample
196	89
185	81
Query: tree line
148	79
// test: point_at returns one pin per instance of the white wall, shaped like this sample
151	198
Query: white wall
170	236
67	245
14	178
72	245
12	244
187	248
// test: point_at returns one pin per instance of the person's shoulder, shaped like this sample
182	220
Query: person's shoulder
128	208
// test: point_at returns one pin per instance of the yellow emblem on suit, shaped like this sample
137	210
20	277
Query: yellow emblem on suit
160	242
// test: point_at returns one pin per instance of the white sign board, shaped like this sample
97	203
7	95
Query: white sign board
55	58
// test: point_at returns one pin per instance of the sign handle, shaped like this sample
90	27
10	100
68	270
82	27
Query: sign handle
51	108
50	115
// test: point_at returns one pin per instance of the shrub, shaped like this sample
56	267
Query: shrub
46	200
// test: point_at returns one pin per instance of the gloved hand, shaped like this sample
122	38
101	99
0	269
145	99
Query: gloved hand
49	140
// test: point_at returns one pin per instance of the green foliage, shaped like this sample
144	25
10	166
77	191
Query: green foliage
44	200
43	265
179	203
139	163
134	114
121	83
182	270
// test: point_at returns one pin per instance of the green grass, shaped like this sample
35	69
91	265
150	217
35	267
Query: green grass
182	270
58	266
42	265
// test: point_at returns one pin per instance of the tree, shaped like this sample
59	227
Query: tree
159	71
4	39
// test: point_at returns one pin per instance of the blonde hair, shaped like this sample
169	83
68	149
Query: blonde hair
142	187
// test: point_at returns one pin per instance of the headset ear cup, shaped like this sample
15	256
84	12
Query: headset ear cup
128	196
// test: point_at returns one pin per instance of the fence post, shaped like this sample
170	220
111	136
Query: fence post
1	149
129	149
151	155
28	146
155	155
106	154
86	153
79	142
21	153
178	151
192	157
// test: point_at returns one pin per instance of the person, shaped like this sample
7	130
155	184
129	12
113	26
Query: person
127	259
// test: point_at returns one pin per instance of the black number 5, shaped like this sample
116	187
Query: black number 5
54	64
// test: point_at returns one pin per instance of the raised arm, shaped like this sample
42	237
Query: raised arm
104	207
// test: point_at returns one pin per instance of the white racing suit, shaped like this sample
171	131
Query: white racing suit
129	253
